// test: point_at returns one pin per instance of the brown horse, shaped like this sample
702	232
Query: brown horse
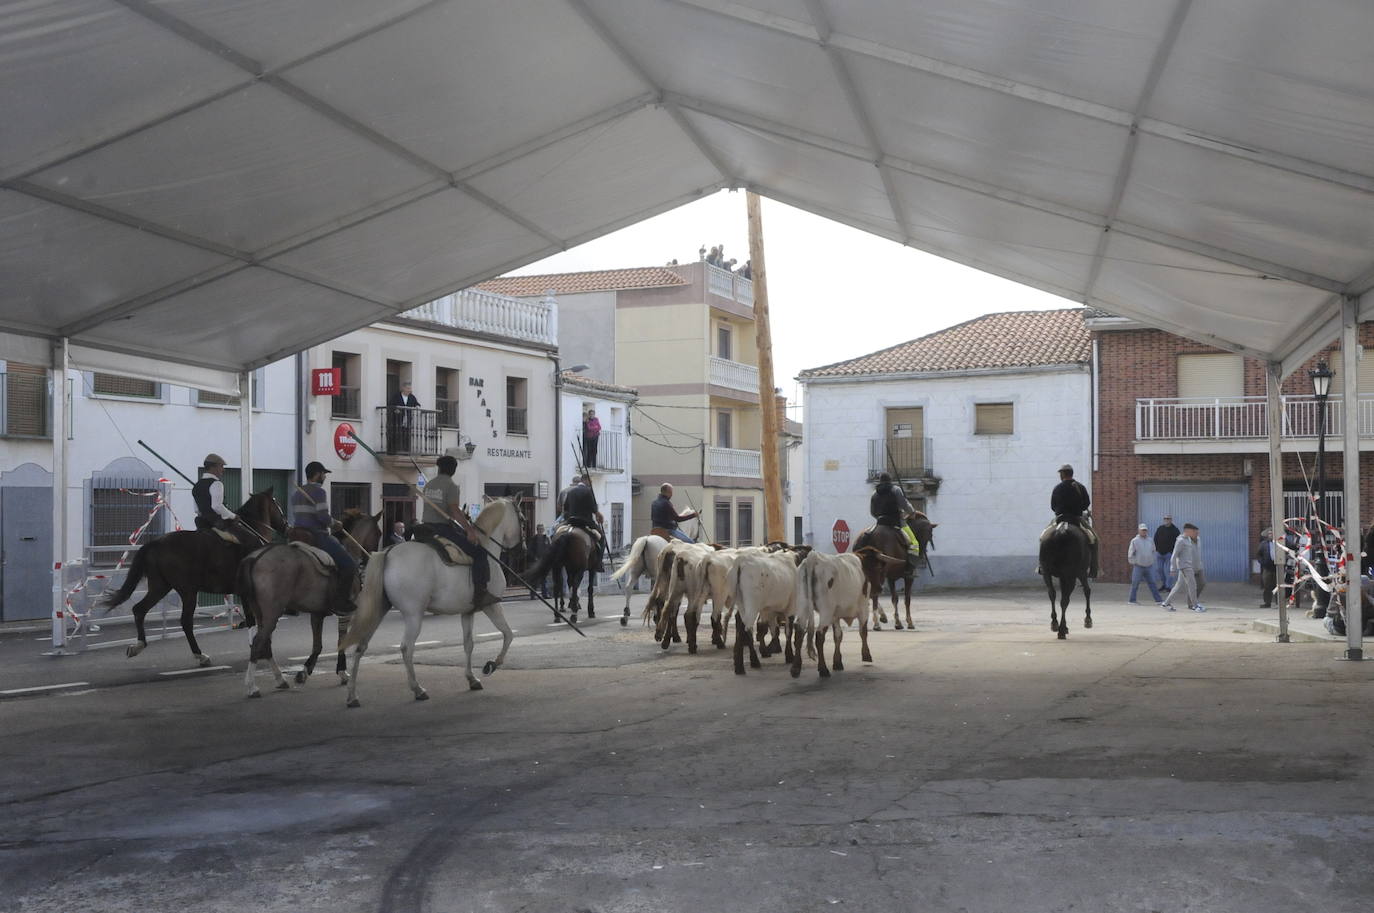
191	562
364	533
570	554
883	551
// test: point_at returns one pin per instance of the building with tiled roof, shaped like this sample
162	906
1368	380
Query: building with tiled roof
1007	340
973	420
573	283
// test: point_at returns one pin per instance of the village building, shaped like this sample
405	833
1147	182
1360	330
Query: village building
610	462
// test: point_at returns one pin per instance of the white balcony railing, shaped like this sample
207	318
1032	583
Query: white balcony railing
498	315
1241	417
734	375
725	284
724	461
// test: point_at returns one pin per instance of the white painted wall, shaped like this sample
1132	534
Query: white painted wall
610	487
994	498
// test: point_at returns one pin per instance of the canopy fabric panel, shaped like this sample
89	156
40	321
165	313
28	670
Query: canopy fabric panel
223	182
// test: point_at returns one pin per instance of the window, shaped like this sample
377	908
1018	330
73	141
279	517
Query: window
744	523
23	400
797	531
347	403
446	396
1211	376
210	398
617	525
344	496
119	385
723	437
517	420
723	522
118	508
992	418
724	347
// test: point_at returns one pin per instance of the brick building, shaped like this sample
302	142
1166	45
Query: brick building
1181	426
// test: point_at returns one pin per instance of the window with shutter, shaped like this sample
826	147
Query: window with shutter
1211	376
992	418
119	385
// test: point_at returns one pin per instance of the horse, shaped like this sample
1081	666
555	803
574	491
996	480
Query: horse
1064	555
570	555
883	551
412	577
641	561
190	562
364	533
283	580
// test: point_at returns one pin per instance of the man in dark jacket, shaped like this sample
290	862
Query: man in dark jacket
890	507
581	510
663	515
1070	501
537	548
1166	534
400	412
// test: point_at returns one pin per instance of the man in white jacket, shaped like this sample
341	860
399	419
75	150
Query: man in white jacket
1187	564
1141	557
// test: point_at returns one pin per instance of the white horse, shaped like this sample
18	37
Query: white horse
412	577
642	561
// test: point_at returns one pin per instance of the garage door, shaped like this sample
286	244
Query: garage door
1221	513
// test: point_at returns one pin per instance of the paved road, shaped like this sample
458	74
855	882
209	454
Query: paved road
1156	762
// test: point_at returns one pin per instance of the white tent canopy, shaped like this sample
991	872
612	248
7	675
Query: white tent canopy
224	182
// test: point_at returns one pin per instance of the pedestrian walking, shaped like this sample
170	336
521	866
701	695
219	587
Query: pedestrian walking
1166	534
1187	568
1268	567
1141	557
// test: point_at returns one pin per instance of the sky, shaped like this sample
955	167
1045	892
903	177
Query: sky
834	292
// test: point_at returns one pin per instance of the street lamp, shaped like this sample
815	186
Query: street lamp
1321	387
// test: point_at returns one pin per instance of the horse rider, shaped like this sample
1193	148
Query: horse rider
310	512
561	498
208	493
663	515
1070	501
444	509
889	507
581	510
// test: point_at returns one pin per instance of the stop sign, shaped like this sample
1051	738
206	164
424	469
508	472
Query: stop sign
839	535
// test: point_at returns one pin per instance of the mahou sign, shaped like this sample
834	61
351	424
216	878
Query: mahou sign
839	535
344	445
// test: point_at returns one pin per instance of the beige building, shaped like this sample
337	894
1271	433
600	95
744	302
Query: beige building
684	337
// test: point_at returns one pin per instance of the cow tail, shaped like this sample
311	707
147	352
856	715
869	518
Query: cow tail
809	575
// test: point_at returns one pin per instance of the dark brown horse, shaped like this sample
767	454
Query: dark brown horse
570	554
364	533
883	552
1064	556
191	562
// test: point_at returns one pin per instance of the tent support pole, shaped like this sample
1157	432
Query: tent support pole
1275	404
245	435
61	363
1350	380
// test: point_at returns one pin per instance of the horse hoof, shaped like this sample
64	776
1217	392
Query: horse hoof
255	693
134	650
300	678
666	643
202	660
755	664
284	686
838	666
421	696
353	703
677	638
572	616
796	671
825	673
591	613
1063	635
867	657
1087	623
624	621
474	686
897	626
343	678
691	648
489	668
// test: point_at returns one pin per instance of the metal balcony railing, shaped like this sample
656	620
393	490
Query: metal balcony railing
726	461
1241	417
611	450
408	430
734	375
901	457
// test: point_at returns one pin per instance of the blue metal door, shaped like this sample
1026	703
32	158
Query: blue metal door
1220	511
25	553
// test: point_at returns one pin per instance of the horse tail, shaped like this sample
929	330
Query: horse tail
553	557
632	561
371	605
243	585
137	569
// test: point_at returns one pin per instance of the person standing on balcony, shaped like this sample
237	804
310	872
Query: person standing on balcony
400	419
1166	534
1141	557
591	434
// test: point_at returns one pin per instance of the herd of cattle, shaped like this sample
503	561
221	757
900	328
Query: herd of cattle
779	590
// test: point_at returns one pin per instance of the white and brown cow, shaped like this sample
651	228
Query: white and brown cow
762	588
831	590
669	589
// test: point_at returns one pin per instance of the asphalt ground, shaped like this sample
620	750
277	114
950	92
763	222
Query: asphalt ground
1171	762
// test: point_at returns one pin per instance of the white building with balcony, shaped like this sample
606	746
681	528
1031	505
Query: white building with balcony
973	421
611	462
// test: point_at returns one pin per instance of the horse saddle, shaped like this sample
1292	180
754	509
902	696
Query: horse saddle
662	533
322	558
449	553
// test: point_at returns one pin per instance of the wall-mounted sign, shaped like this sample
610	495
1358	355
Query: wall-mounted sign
508	452
344	445
832	465
325	382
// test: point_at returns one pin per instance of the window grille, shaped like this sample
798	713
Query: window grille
119	385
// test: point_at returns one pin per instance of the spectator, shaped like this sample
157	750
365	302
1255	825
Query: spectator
400	417
1141	557
1268	567
747	270
1187	567
538	547
1166	534
591	434
397	534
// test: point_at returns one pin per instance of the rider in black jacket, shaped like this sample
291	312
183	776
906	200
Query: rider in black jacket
890	507
1070	501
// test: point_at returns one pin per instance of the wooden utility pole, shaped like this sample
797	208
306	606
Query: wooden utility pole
772	478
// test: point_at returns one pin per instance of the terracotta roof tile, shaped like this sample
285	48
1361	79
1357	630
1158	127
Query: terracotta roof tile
591	383
1011	339
571	283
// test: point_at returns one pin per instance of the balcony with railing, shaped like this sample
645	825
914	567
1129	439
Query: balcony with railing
733	375
903	458
409	432
1241	418
611	451
725	284
478	311
726	461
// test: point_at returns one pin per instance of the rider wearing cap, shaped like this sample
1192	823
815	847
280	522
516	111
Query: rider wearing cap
444	510
208	493
581	510
310	511
890	507
1070	501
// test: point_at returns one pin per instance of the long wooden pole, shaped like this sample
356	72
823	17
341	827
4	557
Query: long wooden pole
772	478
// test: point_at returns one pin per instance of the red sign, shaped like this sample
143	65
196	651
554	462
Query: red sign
344	445
839	535
325	382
